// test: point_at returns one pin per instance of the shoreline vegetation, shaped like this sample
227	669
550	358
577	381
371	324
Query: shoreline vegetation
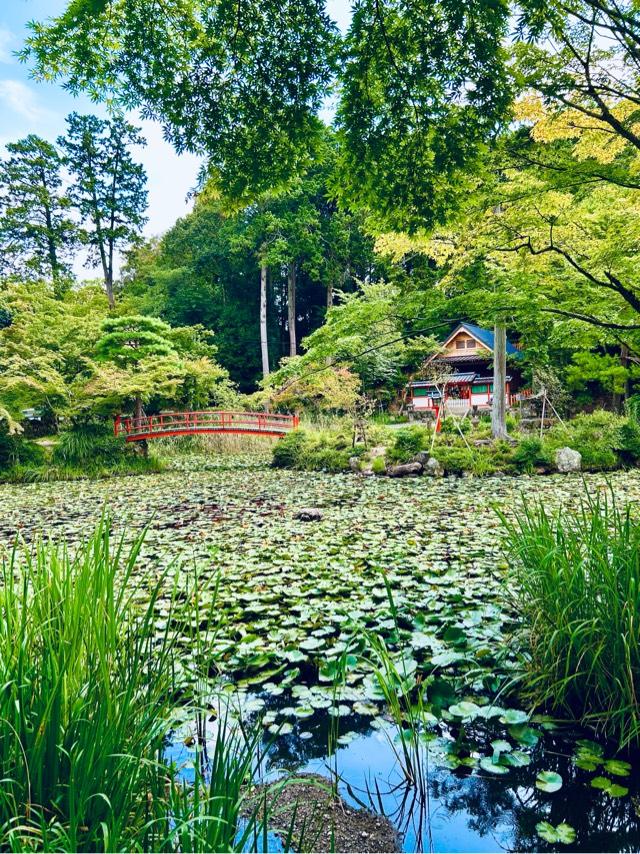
92	705
604	441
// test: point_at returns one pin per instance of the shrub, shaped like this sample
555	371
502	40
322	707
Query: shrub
16	451
578	589
407	442
85	444
630	441
530	454
454	459
595	435
289	450
455	426
378	466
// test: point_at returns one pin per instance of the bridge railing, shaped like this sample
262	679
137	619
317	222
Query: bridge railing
176	423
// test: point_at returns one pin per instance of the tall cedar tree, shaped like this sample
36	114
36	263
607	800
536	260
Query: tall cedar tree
37	235
108	187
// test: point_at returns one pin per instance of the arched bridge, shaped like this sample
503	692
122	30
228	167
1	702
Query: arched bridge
194	423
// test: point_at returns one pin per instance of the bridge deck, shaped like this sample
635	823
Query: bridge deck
211	421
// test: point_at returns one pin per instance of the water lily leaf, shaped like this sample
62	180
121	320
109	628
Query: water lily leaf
525	735
608	786
489	765
513	717
303	711
465	710
281	729
515	759
548	781
617	767
563	833
500	746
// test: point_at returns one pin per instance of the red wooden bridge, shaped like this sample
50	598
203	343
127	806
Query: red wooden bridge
212	421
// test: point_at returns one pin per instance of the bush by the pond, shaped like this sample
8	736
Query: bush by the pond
15	451
318	451
606	441
596	435
577	577
408	441
88	688
83	450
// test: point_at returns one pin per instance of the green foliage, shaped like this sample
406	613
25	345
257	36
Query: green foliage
244	91
408	441
455	459
378	466
530	454
91	444
422	87
15	450
308	451
86	701
87	706
577	579
595	435
107	187
289	450
630	441
37	232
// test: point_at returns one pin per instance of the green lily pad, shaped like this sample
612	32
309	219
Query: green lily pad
512	717
608	786
491	767
617	767
562	833
548	781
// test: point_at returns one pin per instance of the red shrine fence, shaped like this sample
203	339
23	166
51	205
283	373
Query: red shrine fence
213	421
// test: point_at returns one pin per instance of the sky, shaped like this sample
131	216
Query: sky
27	106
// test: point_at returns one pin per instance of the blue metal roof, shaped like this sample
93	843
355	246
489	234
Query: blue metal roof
486	337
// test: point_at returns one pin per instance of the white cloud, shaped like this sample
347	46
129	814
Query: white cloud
20	99
7	43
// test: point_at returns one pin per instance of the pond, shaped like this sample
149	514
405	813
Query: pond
416	563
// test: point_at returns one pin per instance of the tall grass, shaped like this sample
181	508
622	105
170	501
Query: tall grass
85	695
577	582
87	687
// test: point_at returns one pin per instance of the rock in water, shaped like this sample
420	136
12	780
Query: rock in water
405	470
433	468
354	464
309	514
568	460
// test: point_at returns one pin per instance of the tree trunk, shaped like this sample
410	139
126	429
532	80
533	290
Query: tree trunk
138	415
329	294
264	342
619	397
108	286
291	306
499	405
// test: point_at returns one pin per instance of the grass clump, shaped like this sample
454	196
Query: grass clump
89	683
84	700
578	590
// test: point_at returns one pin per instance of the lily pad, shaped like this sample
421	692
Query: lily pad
548	781
562	833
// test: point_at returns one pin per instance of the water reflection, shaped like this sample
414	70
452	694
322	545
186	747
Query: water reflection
461	810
